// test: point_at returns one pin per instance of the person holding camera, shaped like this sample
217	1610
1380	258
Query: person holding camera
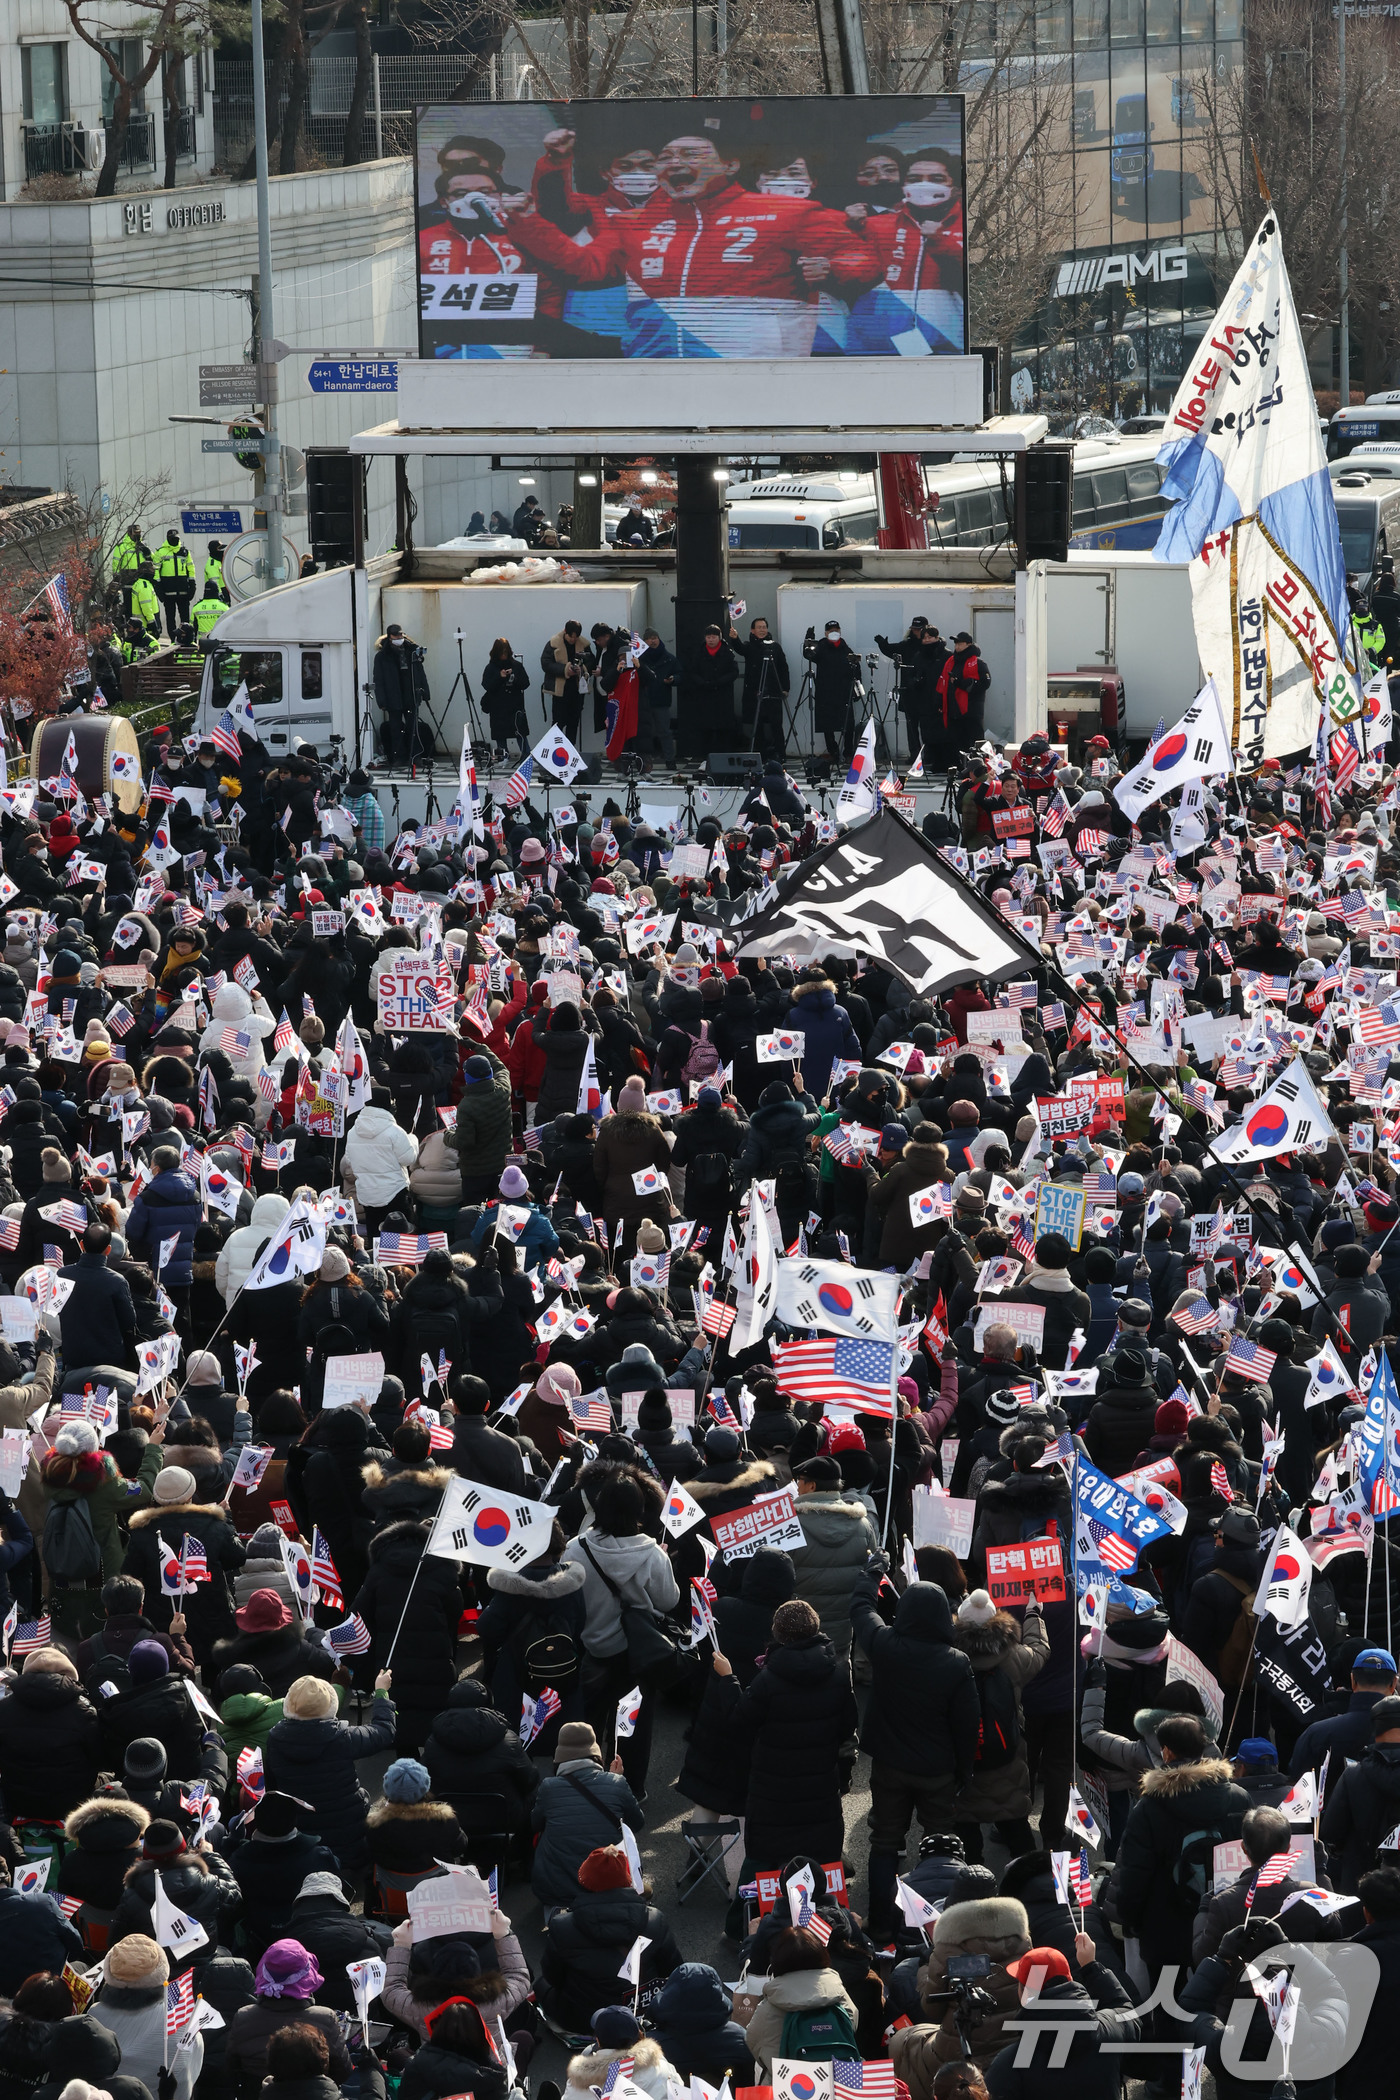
766	683
918	658
835	676
504	684
400	688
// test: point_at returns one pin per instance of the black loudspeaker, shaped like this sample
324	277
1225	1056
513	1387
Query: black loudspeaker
1044	502
735	768
335	483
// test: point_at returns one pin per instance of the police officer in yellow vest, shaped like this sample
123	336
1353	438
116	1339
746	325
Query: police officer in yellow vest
135	643
141	600
174	580
214	564
207	612
128	554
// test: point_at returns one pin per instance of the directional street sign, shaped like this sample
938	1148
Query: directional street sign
354	376
233	444
234	386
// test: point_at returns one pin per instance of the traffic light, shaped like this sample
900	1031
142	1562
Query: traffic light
1044	503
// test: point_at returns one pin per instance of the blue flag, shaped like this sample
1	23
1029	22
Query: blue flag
1378	1470
1111	1527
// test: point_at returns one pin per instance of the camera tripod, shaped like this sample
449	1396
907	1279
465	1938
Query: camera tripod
483	747
806	696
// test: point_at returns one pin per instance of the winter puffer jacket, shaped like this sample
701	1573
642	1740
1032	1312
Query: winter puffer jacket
1156	1896
651	2070
470	1750
690	2020
436	1180
1358	1803
576	1811
997	1792
395	1492
170	1206
198	1883
105	1838
585	1944
802	1990
377	1158
316	1761
996	1927
828	1032
794	1721
924	1713
48	1746
410	1592
240	1249
840	1537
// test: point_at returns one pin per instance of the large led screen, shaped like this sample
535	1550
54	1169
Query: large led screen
807	227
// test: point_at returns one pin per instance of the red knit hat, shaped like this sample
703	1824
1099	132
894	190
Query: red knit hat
1171	1419
846	1438
605	1868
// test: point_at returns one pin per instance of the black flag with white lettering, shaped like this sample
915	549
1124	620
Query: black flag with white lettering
884	890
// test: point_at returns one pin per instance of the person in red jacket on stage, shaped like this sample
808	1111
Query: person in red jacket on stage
712	269
918	309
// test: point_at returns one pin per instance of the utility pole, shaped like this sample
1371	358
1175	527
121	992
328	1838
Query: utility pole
272	466
842	37
1344	330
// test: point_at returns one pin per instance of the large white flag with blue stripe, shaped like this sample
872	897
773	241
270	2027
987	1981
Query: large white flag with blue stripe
1254	516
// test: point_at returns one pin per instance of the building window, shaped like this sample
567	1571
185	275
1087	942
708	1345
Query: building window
126	50
45	71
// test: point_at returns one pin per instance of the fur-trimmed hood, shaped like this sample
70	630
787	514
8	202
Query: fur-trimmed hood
1167	1781
984	1646
414	1479
748	1481
195	1458
593	2066
565	1578
142	1517
994	1919
410	1812
119	1823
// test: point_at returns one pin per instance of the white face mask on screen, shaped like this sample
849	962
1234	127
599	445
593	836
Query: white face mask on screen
635	182
927	192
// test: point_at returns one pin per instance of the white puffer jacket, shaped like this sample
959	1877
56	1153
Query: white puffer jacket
377	1158
233	1008
236	1256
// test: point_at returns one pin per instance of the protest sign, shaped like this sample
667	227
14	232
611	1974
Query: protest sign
19	1319
1027	1320
771	1521
1015	1573
448	1904
682	1406
1059	1207
943	1520
352	1379
1002	1025
1183	1662
1230	1860
1063	1115
414	993
326	923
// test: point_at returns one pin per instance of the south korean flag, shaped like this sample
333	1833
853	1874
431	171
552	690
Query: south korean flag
837	1298
480	1524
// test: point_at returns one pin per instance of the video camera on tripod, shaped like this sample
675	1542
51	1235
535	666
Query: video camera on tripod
971	2004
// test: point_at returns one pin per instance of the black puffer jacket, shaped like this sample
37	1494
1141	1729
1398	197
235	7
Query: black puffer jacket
779	1133
394	1492
104	1837
924	1714
198	1883
745	1618
545	1590
470	1750
1363	1806
48	1746
1156	1896
26	1136
1120	1424
584	1946
420	1599
406	1837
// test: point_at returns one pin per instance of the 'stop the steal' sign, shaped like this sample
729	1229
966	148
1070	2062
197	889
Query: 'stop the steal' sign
1035	1569
415	994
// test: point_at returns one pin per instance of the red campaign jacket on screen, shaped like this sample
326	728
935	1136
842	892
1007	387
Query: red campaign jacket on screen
736	244
444	252
911	262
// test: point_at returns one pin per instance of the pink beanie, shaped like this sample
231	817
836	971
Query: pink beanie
558	1384
632	1101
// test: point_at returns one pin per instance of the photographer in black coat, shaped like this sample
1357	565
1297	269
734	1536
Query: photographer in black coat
766	684
836	673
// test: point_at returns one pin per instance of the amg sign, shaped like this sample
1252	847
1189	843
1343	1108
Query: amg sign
1082	279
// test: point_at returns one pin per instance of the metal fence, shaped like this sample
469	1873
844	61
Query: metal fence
397	86
68	148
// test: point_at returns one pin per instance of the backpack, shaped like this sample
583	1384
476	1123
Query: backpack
71	1552
821	2034
548	1653
1193	1869
707	1184
1235	1661
704	1060
998	1735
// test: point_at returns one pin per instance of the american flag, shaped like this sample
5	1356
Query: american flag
1090	844
225	737
68	1215
536	1713
1198	1318
1023	1242
251	1778
717	1318
55	596
1276	1869
1101	1187
518	786
160	791
194	1562
1024	1394
1236	1072
406	1249
121	1021
1022	996
875	2081
722	1411
1114	1552
1080	1884
1056	816
838	1143
9	1234
31	1634
1345	756
186	915
620	2067
282	1035
1220	1481
1249	1359
236	1042
845	1373
589	1412
323	1571
179	2002
1378	1026
350	1637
